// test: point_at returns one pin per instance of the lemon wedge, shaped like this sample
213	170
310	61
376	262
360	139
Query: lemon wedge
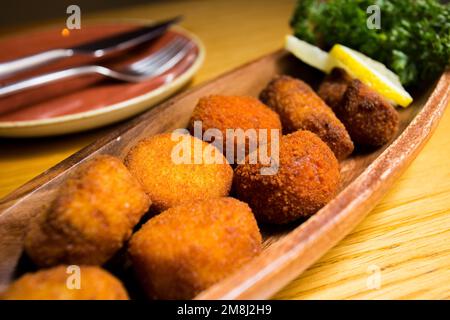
359	66
310	54
372	73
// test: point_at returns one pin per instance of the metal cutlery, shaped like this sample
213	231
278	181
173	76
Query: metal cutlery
96	49
151	66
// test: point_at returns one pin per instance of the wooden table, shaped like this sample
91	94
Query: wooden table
404	242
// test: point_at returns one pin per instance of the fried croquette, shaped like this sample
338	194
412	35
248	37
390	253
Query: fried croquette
333	87
301	109
369	118
235	112
307	179
169	181
61	283
91	218
188	248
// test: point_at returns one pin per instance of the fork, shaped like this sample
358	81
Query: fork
149	67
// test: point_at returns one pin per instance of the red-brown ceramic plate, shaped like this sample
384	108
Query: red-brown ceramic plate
90	101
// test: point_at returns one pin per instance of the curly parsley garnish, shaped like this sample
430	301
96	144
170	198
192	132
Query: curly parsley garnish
413	41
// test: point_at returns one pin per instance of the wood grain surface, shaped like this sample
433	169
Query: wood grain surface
405	241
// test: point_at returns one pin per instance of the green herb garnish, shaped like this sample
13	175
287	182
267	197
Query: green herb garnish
413	41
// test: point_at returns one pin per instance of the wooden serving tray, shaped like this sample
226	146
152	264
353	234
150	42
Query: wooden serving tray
288	250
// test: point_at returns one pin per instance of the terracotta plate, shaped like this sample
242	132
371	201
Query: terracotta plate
90	101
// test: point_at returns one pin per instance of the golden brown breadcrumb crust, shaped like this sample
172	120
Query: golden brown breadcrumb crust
168	183
333	87
369	118
234	112
92	216
301	109
188	248
307	179
51	284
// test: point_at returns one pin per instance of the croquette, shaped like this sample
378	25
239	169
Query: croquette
307	179
92	216
188	248
301	109
65	283
235	112
170	181
333	87
369	118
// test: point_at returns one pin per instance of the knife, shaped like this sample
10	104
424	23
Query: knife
96	49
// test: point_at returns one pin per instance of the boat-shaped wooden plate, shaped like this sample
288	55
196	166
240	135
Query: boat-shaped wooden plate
288	251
